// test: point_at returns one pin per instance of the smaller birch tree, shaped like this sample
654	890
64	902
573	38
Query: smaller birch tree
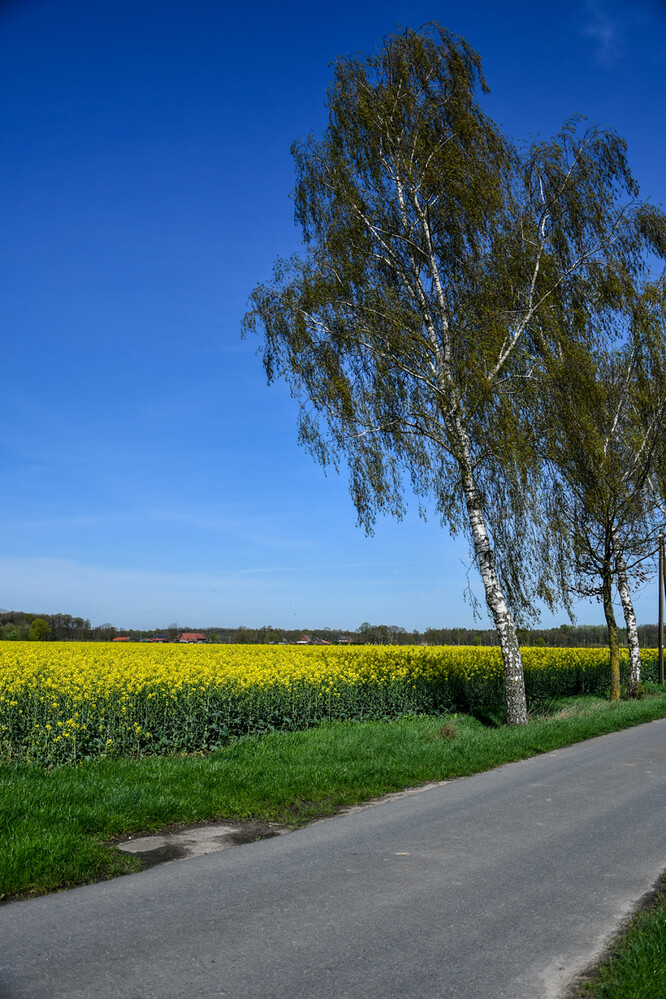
643	430
606	445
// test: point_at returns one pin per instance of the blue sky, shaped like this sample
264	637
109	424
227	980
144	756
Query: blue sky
148	474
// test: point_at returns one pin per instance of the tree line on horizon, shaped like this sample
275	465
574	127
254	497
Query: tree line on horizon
24	626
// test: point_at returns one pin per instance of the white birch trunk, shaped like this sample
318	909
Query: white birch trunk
634	678
514	680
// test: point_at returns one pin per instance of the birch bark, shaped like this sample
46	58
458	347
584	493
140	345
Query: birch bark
514	680
634	678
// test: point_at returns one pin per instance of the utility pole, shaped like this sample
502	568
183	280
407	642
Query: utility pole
660	626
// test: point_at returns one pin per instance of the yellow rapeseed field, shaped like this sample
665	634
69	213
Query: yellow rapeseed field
62	702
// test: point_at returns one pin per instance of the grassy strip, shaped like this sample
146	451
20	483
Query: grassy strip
636	967
56	822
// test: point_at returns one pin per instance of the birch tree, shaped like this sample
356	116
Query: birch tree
648	413
643	430
607	447
418	327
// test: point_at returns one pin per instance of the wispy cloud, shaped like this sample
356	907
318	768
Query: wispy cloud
341	594
270	531
602	28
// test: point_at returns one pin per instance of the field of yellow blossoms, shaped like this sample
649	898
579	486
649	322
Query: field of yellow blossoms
62	702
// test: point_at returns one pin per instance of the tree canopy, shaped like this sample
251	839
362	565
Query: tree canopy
443	276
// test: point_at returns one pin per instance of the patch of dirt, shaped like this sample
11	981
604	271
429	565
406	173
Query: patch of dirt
178	843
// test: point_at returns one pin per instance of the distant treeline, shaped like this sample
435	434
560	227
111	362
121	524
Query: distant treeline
20	625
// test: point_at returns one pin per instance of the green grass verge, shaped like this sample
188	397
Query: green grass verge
57	824
636	966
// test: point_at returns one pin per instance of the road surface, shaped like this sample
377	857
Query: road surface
502	885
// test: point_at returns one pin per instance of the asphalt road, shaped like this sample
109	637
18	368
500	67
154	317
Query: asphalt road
503	885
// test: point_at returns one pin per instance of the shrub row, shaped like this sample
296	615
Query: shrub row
63	703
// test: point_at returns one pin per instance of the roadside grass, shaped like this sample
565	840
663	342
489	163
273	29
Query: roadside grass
636	965
58	824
